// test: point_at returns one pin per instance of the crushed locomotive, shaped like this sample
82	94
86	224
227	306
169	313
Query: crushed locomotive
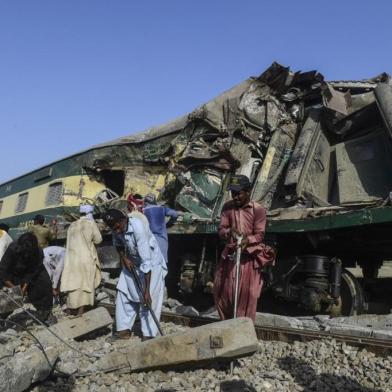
318	154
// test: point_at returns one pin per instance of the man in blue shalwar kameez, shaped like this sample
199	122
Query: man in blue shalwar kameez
156	215
138	248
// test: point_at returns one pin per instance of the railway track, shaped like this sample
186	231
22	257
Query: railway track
290	335
378	346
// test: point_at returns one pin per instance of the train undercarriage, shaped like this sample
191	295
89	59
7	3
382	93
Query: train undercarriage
312	273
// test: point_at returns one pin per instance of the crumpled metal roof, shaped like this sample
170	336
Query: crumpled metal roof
214	109
148	134
179	123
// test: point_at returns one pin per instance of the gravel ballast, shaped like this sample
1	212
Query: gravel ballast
320	365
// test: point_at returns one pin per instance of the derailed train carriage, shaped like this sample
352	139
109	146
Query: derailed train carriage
319	157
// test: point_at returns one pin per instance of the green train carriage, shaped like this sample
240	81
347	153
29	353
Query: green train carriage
318	154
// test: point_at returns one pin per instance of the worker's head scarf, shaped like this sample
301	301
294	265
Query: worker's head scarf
135	202
112	216
87	209
150	198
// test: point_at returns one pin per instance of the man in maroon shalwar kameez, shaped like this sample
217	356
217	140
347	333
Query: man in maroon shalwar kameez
241	216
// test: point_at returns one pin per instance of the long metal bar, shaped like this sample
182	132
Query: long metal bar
237	272
238	251
140	289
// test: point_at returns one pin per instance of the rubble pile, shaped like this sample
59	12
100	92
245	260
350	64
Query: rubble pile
321	366
276	366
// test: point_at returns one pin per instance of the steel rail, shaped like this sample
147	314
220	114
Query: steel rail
378	346
290	335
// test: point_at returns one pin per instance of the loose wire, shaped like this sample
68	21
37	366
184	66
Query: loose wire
43	324
41	347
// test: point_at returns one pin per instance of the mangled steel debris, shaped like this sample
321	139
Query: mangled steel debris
318	154
269	127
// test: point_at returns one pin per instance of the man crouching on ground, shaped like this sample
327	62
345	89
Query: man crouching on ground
138	250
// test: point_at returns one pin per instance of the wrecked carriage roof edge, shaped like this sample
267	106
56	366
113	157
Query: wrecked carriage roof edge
150	133
180	122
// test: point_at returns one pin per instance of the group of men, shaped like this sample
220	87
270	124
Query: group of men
140	237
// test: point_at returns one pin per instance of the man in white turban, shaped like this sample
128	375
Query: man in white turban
82	272
87	210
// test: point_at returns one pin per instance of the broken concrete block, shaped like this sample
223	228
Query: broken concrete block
77	327
222	340
7	305
23	369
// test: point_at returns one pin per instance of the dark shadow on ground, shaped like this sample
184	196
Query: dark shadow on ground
236	386
225	386
165	390
305	375
52	384
22	320
94	334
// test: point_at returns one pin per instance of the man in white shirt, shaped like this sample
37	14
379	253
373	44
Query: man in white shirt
54	264
139	251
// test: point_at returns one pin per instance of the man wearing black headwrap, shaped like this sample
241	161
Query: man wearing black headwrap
139	251
22	265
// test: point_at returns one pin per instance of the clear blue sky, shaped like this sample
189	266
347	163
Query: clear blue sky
74	73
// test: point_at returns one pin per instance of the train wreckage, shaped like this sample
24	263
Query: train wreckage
318	154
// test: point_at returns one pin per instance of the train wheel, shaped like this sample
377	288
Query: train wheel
352	298
351	301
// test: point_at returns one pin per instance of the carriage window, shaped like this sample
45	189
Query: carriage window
1	205
55	194
21	203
